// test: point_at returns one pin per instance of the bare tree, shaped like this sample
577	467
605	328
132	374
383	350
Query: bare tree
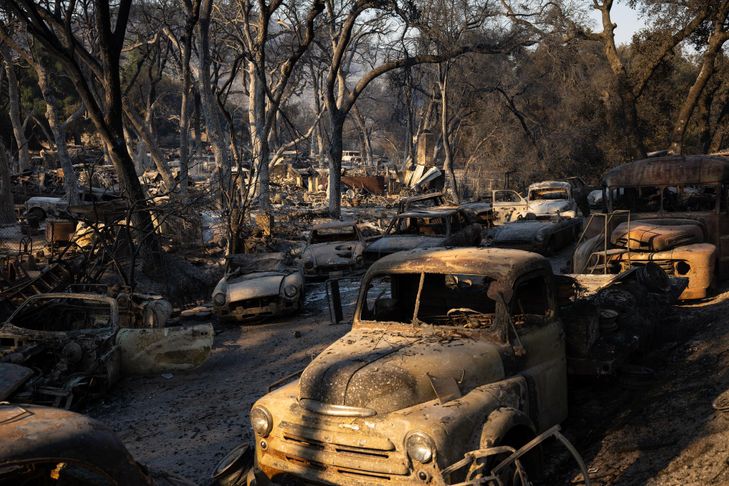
7	211
54	115
93	70
15	108
719	35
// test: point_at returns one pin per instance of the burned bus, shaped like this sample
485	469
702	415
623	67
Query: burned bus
669	210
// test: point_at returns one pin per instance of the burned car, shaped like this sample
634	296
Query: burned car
426	228
61	348
331	247
43	445
259	286
451	350
551	198
38	208
542	236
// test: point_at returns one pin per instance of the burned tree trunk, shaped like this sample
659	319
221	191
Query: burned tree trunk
58	128
208	102
259	137
336	125
716	40
451	186
14	102
7	213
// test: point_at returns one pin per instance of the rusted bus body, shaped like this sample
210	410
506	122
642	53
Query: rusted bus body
675	191
456	384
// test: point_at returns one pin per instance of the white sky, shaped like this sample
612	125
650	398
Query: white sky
627	20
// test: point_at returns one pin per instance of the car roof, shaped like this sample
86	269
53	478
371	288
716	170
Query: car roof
550	185
434	211
501	264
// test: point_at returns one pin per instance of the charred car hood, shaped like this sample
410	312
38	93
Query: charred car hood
333	253
521	231
549	207
393	243
388	371
252	285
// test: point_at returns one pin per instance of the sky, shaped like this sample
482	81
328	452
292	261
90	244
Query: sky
627	20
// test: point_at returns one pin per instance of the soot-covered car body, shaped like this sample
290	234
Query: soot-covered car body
332	247
47	446
451	350
551	198
58	349
542	236
257	286
425	228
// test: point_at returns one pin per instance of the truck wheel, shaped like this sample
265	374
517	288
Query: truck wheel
531	462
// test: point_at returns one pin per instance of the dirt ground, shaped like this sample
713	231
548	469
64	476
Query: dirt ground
658	431
185	424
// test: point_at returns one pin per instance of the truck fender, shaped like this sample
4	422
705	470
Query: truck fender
501	422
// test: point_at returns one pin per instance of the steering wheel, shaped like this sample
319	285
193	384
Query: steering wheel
462	311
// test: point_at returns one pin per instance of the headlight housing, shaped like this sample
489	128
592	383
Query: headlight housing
291	291
420	447
219	298
261	421
309	264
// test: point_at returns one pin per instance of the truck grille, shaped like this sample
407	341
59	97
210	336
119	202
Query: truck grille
358	456
666	265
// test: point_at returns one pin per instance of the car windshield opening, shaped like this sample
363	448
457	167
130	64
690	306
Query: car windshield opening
421	226
328	235
445	300
548	194
63	315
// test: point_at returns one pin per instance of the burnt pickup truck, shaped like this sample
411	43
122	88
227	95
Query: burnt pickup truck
451	351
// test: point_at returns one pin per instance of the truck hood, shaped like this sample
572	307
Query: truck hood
392	243
251	286
539	207
385	371
657	234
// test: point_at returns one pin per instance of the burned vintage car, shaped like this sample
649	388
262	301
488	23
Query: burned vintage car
672	211
259	285
60	349
47	446
548	199
332	247
450	351
425	228
542	236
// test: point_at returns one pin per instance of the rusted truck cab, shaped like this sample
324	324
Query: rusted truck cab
679	219
450	350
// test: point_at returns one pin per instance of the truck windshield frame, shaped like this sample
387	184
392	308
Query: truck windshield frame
429	298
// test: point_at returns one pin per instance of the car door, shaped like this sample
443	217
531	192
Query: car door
508	205
156	350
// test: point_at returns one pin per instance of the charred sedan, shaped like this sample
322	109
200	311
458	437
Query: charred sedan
542	236
426	228
335	246
259	286
57	349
